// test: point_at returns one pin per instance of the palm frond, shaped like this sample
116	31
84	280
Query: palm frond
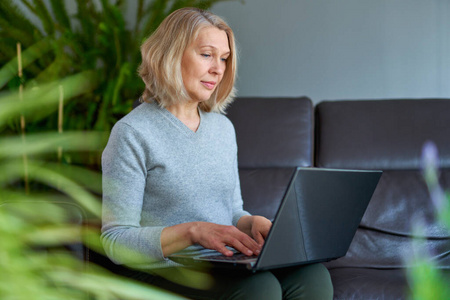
14	24
29	6
6	50
44	98
12	35
14	15
29	55
43	14
44	143
113	31
86	15
54	70
60	13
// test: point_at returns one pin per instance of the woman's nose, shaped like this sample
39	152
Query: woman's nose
218	66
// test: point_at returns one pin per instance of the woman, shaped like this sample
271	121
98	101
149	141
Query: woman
170	170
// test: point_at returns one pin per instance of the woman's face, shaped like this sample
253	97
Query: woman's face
204	62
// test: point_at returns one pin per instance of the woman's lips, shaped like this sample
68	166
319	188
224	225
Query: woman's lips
209	84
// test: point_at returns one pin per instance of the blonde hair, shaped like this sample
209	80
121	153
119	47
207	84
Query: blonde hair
161	60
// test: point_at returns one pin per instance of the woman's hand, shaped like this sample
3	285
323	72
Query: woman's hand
209	235
216	237
255	226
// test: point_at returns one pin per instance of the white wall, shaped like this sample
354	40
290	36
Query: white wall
341	49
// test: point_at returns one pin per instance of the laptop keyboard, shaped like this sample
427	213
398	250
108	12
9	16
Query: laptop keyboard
234	257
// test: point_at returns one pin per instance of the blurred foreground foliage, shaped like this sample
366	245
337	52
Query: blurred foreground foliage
35	230
428	281
65	79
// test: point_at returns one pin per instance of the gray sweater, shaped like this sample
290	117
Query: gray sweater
158	173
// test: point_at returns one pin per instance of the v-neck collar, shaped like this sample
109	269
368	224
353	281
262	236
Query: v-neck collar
180	125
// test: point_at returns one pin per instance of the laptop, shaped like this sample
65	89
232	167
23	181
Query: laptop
316	221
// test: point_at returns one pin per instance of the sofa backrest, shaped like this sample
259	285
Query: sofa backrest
388	135
274	135
273	132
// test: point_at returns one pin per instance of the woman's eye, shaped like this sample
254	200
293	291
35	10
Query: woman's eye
224	59
206	55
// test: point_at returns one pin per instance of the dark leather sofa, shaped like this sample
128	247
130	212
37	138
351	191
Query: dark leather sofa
276	134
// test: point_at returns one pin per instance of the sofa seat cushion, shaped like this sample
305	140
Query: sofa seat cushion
386	233
402	201
374	249
367	284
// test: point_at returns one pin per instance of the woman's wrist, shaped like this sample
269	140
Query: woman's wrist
177	237
245	224
192	232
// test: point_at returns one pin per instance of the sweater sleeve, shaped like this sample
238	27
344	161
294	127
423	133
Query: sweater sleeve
124	171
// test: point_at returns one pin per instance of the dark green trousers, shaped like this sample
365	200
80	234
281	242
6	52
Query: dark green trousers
301	282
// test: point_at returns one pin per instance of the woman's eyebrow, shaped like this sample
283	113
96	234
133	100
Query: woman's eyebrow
215	48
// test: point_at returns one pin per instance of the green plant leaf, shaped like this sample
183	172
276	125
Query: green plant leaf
50	177
87	16
44	143
60	13
10	69
43	14
122	288
45	96
15	19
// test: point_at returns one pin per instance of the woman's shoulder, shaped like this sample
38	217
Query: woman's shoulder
220	126
218	119
141	116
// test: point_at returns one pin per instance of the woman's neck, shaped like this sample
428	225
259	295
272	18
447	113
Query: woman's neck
186	113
